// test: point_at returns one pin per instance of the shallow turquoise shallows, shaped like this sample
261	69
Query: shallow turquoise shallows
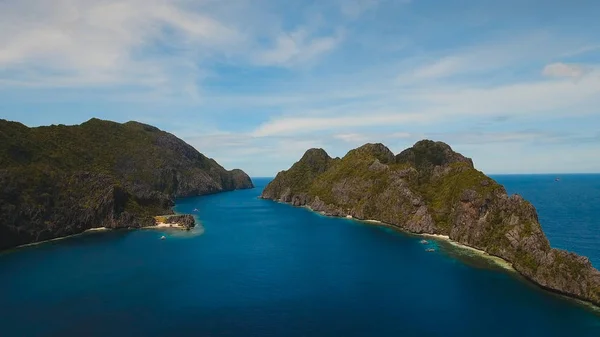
266	269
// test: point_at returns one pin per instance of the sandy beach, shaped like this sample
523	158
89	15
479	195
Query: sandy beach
162	225
497	260
97	229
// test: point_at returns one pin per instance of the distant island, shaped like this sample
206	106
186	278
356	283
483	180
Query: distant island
430	189
61	180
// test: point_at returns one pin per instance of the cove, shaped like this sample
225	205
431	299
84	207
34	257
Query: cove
259	268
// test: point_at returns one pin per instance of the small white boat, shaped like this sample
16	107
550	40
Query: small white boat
163	237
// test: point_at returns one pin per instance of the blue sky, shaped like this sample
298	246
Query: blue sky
513	84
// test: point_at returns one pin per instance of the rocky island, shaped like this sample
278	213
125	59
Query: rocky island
430	189
62	180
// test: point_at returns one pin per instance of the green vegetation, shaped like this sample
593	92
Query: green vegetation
526	260
161	219
302	174
443	192
59	180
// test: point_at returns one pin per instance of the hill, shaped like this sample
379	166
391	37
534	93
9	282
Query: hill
60	180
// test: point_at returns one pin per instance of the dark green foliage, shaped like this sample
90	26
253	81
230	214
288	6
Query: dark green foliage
58	180
427	154
302	174
444	191
355	167
526	260
375	151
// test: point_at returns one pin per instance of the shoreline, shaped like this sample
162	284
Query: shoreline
478	252
500	262
162	225
159	225
87	231
505	264
95	230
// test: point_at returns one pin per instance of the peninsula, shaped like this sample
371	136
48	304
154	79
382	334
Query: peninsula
431	189
62	180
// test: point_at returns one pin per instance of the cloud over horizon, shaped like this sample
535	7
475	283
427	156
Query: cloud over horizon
243	79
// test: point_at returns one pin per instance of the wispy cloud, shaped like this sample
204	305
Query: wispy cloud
157	44
297	47
245	79
299	125
492	55
81	43
439	104
565	70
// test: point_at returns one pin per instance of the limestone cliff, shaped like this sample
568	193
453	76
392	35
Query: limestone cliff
61	180
429	188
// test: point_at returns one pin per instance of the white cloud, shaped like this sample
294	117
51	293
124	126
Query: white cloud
565	70
298	125
444	67
437	105
582	50
480	59
354	8
371	91
526	98
73	43
166	46
297	47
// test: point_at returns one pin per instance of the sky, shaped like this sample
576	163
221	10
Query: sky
513	84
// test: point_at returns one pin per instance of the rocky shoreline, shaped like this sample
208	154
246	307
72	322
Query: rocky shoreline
430	189
184	222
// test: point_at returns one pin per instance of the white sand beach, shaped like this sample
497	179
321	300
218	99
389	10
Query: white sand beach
97	229
162	225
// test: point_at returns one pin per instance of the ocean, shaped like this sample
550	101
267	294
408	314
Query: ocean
260	268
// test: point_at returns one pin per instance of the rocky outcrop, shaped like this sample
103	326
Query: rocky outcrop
62	180
186	221
429	188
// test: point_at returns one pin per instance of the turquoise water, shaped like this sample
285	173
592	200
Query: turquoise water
266	269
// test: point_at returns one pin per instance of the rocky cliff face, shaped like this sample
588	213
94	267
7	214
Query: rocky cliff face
61	180
429	188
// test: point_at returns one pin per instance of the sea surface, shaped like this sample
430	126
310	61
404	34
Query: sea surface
260	268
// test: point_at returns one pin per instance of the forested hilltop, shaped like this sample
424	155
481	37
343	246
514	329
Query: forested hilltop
60	180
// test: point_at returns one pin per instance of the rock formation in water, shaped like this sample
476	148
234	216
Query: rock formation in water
429	188
186	221
61	180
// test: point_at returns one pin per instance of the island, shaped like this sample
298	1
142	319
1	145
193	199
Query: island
60	180
431	189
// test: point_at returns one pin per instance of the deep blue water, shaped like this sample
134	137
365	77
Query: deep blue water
266	269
